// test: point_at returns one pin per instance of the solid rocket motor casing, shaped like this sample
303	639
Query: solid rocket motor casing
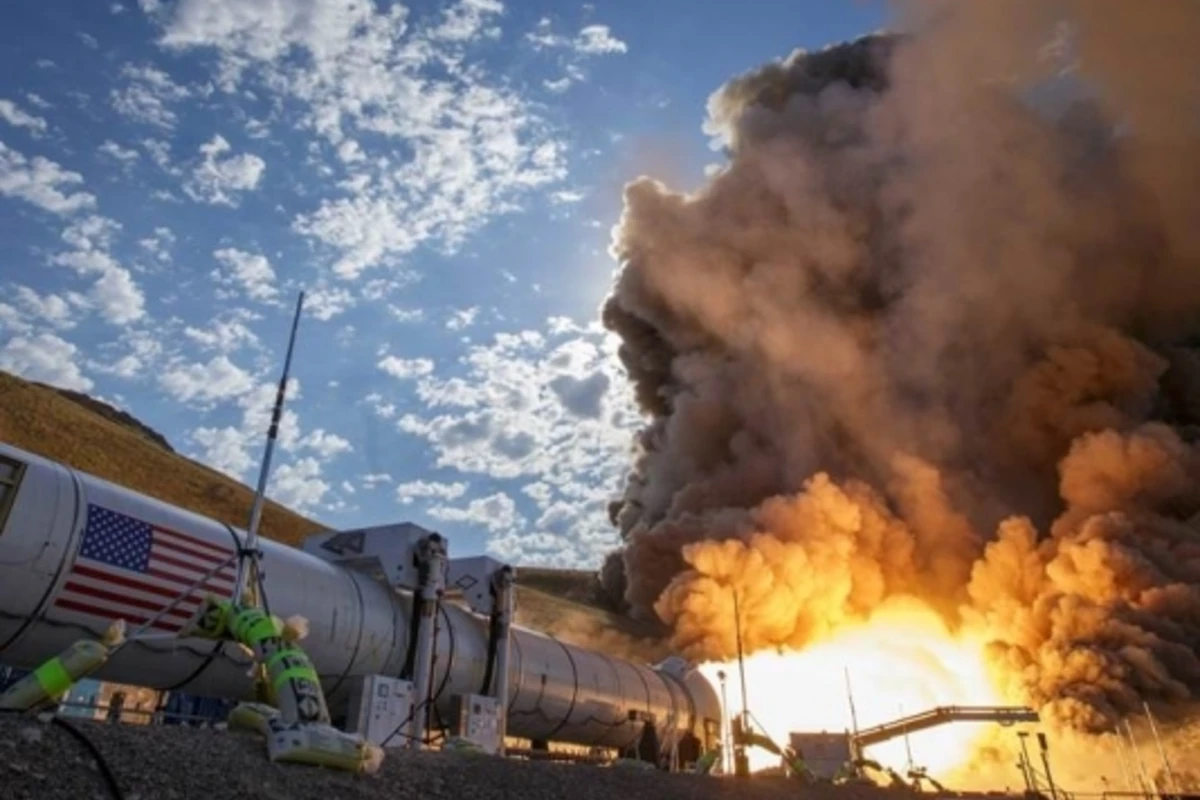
357	625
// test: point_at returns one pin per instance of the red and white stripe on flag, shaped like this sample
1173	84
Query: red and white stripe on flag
129	569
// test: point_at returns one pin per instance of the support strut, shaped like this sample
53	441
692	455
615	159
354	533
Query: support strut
431	558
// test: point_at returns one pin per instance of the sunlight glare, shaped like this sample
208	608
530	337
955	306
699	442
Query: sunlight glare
902	661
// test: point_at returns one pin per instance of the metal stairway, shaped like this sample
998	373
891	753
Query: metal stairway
1004	715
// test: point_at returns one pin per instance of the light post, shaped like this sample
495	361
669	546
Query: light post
1046	763
741	763
1026	765
726	752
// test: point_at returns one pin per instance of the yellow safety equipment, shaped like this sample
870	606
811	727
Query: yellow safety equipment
296	724
320	745
54	678
293	685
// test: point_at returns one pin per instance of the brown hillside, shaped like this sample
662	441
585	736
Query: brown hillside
576	585
586	625
114	414
41	420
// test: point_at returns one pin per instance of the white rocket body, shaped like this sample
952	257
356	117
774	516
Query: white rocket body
357	625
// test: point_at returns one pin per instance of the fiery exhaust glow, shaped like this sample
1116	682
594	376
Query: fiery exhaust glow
932	328
902	661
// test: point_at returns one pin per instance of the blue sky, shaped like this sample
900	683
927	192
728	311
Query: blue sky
442	179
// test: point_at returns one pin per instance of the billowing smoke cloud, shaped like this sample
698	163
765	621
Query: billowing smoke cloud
934	330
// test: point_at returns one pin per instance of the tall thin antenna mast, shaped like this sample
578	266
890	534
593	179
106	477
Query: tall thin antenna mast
251	548
737	622
1125	771
850	697
741	764
1161	752
1148	786
907	743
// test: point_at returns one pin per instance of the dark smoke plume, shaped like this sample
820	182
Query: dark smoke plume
934	330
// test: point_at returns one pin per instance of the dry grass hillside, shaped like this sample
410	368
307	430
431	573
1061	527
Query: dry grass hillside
567	603
90	436
586	625
577	585
41	420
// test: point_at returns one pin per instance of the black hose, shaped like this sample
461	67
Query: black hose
430	702
437	695
110	780
494	631
414	625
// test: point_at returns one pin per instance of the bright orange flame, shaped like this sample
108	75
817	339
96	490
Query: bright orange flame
902	661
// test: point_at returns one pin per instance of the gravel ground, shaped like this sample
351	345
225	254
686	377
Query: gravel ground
41	761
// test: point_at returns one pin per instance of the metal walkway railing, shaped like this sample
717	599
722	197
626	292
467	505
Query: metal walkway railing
1004	715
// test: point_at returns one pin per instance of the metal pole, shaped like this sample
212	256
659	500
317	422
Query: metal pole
432	555
1141	765
737	622
251	547
1046	763
741	765
1125	771
907	743
1030	775
1027	775
850	697
726	734
503	581
1161	751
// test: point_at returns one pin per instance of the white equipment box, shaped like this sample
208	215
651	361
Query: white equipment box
380	707
477	720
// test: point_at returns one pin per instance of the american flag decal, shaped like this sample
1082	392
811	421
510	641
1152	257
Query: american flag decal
129	569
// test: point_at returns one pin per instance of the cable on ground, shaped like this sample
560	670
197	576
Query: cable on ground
110	780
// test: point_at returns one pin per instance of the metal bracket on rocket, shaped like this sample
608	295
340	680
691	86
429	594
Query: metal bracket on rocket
410	558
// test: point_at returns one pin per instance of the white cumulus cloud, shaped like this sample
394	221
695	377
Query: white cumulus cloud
326	302
42	182
469	19
536	407
113	292
409	491
598	39
462	318
496	512
148	96
326	444
46	358
14	115
205	383
226	333
251	272
159	244
374	81
405	367
224	449
373	479
573	51
123	155
298	485
51	308
220	179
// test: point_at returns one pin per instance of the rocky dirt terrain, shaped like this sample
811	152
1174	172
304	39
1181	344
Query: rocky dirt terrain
41	761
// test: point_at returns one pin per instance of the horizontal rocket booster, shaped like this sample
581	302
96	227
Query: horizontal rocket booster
77	552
